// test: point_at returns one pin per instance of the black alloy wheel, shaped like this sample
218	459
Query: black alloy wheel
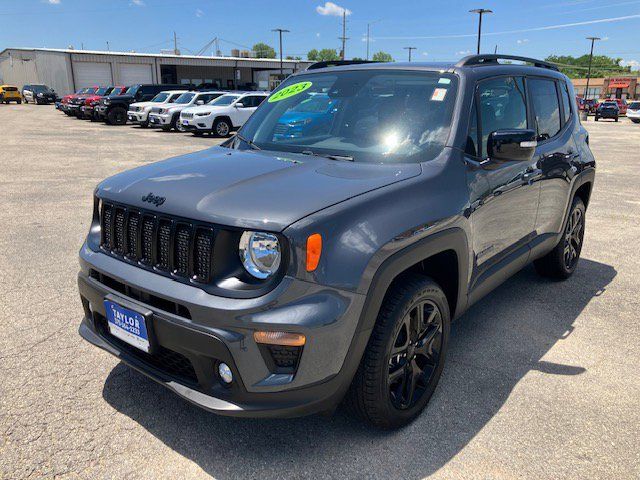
573	236
415	355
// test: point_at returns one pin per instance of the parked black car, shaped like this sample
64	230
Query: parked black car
113	109
608	110
275	274
38	94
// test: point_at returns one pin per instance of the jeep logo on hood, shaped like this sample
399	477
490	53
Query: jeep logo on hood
155	199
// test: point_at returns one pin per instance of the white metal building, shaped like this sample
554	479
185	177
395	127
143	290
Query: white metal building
66	70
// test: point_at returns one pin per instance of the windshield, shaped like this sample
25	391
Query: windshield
185	97
103	91
40	88
382	116
634	105
161	97
609	104
223	100
132	90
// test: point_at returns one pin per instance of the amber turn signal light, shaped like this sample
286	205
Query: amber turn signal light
280	338
314	250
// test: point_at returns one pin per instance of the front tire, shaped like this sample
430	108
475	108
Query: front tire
561	262
635	120
221	128
117	116
19	102
405	355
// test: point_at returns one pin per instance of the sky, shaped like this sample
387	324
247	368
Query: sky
439	31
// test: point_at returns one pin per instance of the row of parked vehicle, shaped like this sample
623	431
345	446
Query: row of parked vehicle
170	107
610	108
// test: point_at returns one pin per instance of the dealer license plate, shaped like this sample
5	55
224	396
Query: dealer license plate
127	325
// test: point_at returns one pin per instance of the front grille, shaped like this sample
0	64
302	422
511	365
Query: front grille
163	243
187	115
280	129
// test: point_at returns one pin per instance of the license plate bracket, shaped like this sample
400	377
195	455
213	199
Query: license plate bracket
129	323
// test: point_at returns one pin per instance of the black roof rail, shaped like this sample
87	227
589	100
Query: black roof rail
337	63
486	59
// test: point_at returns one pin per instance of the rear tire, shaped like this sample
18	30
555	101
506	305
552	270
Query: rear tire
597	118
635	120
561	262
19	102
616	119
404	358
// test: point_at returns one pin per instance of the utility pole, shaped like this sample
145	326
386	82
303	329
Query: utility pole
108	50
409	48
586	90
344	37
368	31
280	32
175	43
480	12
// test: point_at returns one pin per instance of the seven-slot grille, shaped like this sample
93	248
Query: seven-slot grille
186	115
164	243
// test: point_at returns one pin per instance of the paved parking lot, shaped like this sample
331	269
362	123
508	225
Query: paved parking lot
542	379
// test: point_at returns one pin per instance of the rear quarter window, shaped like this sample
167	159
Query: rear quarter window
546	107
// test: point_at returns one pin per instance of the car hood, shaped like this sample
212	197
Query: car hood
145	104
249	189
206	108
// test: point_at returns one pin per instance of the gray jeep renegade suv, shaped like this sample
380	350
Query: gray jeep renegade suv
323	251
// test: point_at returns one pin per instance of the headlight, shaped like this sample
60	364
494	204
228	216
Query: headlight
260	253
40	95
107	101
203	114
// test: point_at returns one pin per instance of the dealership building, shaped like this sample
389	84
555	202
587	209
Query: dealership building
67	70
625	88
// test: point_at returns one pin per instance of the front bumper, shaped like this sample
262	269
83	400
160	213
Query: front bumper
87	110
219	329
160	119
633	114
195	124
138	117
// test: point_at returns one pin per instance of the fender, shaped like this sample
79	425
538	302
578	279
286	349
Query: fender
453	238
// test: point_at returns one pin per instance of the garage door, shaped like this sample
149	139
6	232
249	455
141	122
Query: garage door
131	73
87	74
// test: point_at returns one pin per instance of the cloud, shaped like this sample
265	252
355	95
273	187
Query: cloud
53	2
634	64
318	35
332	9
524	40
199	13
426	54
464	52
138	3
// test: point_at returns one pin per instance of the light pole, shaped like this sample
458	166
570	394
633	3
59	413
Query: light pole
280	32
409	48
586	90
480	12
369	33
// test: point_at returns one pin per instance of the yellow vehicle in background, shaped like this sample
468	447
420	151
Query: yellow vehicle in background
9	93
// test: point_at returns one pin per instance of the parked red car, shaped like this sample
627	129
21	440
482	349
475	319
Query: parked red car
88	106
68	100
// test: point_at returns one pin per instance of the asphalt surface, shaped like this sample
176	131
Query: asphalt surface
542	379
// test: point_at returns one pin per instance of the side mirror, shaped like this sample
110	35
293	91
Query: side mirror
511	145
199	102
239	105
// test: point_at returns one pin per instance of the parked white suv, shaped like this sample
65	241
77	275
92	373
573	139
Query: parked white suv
633	111
167	117
139	112
224	114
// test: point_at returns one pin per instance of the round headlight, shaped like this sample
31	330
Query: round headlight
260	253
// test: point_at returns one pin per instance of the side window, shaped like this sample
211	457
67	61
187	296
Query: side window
471	148
566	104
502	106
545	104
250	101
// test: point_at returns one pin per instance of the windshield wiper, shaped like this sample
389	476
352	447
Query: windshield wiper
345	158
248	142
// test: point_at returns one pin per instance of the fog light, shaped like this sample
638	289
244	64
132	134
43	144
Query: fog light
225	373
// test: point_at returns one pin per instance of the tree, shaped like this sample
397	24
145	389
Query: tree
324	55
290	57
262	50
382	57
602	66
358	59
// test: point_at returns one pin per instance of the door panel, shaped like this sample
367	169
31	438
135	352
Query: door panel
555	158
505	217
